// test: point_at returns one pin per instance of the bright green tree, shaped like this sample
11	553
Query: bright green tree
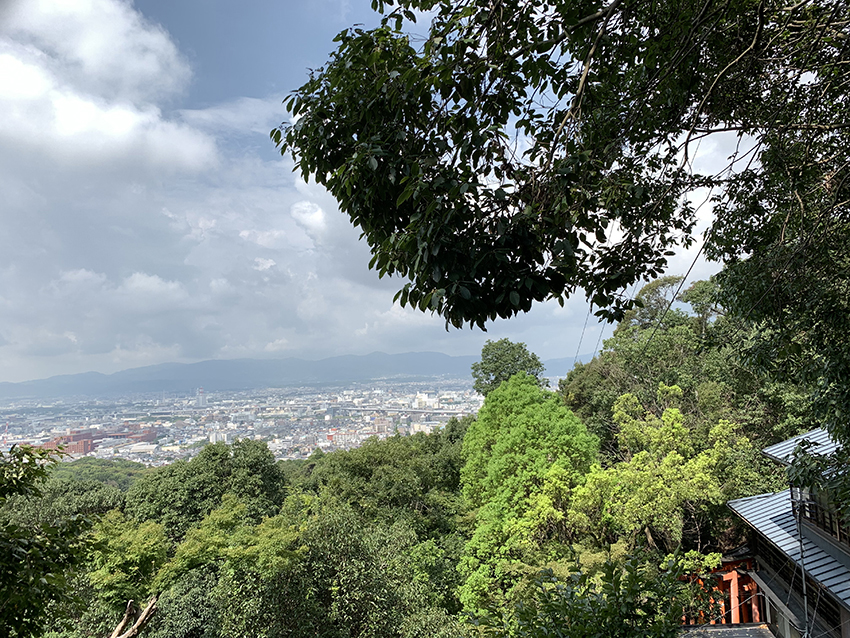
698	351
502	359
670	488
127	558
523	455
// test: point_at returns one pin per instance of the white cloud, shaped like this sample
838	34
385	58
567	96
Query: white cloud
81	84
239	116
140	283
81	277
220	286
101	47
272	238
135	235
22	81
310	216
278	345
263	264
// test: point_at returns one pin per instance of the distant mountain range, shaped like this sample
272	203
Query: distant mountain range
248	374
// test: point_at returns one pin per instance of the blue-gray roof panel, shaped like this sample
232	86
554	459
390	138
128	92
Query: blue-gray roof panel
783	452
771	515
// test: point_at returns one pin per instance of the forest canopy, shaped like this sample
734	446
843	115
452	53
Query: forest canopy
545	511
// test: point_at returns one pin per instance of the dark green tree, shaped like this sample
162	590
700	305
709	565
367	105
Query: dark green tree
118	473
415	481
523	151
60	498
414	478
502	359
634	600
37	558
181	494
317	568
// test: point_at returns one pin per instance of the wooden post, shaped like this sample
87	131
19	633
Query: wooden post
735	599
755	603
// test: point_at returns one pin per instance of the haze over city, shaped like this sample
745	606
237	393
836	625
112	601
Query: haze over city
149	219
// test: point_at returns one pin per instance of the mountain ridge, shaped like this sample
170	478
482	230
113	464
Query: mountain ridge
247	374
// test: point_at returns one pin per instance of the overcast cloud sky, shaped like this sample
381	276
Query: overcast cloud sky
147	218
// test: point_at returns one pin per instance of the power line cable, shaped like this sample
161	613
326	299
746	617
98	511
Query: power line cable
675	295
599	339
581	338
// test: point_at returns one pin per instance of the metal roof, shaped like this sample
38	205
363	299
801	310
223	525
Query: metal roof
783	452
772	517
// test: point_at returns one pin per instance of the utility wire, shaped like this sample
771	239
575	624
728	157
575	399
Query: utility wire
581	338
672	299
599	339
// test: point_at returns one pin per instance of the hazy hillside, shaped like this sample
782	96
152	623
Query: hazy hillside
244	374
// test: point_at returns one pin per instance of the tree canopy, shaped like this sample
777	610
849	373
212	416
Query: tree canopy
526	150
699	352
399	538
181	494
522	457
502	359
37	558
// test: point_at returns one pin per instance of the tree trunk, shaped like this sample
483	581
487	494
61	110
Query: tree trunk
140	622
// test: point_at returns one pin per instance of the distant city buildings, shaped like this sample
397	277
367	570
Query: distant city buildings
159	429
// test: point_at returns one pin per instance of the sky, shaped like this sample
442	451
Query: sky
147	218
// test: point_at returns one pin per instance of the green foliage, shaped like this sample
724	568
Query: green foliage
523	455
697	352
654	305
791	301
633	600
61	499
126	558
365	545
318	568
184	609
23	468
672	482
796	298
117	473
488	198
502	359
414	478
396	538
37	559
181	494
521	434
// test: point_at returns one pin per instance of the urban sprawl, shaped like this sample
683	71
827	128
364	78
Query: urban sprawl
159	428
